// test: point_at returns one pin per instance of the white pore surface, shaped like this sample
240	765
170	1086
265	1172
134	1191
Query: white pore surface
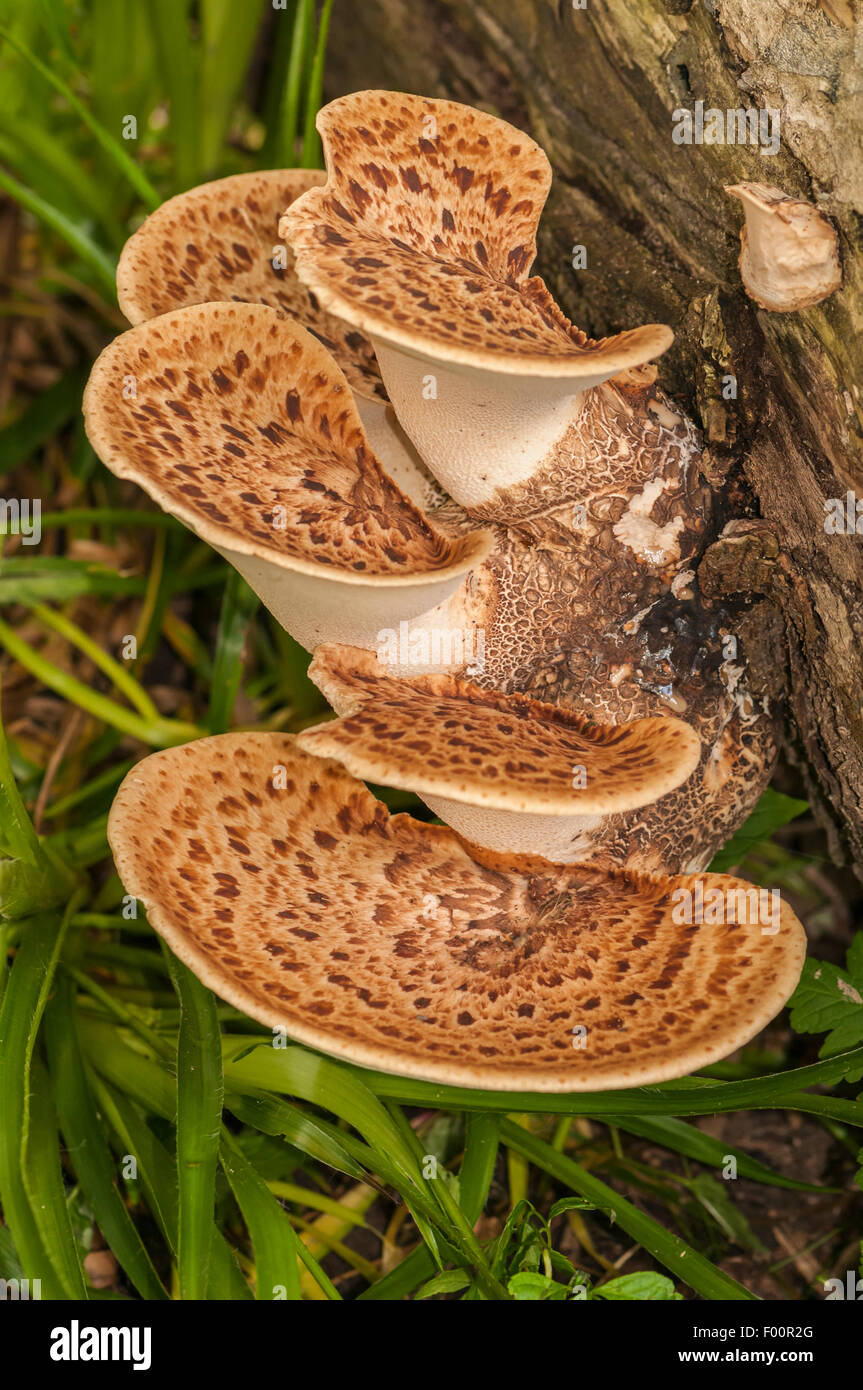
314	608
478	430
563	839
394	451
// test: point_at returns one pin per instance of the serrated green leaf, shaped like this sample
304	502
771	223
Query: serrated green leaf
830	1000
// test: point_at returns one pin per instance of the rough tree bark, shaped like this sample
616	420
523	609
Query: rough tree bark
595	82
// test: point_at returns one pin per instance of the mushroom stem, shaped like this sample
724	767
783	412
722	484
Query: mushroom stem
479	431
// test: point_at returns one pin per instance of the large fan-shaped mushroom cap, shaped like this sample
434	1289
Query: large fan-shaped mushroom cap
220	242
507	772
241	424
293	893
423	237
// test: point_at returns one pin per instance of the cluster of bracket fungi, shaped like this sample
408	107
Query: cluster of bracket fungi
350	385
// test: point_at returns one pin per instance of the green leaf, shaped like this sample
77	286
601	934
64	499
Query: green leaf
450	1281
774	809
482	1140
640	1287
526	1287
716	1199
17	836
43	1179
571	1204
228	31
830	1000
179	64
301	44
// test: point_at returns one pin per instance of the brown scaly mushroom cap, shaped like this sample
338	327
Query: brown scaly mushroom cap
472	753
425	232
241	424
219	242
292	892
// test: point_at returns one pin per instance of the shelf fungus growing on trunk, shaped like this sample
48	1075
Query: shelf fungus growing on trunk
423	238
295	895
487	527
506	772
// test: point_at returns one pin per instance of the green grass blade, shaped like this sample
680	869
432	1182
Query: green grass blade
273	1238
88	1147
239	606
311	156
158	733
301	41
117	674
692	1096
180	70
685	1139
272	155
200	1089
482	1139
104	138
228	31
24	1000
304	1132
81	242
17	836
43	1180
679	1258
42	419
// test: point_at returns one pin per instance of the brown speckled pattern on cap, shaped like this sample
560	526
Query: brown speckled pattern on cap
426	239
442	735
219	242
234	413
381	940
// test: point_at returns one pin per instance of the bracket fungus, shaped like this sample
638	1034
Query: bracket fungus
423	237
389	943
394	425
241	424
789	250
506	772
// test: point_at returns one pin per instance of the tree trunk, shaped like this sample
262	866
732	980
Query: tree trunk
596	82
